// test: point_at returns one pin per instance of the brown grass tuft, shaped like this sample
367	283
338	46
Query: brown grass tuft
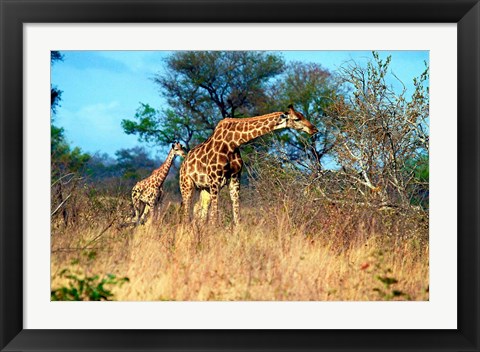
283	250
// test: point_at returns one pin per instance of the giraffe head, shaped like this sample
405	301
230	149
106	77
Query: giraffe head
178	149
296	120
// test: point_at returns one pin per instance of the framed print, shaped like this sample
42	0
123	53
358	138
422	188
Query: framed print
337	241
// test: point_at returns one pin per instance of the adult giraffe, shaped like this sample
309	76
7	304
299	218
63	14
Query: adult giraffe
213	163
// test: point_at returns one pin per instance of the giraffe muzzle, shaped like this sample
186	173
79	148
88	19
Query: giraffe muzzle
311	130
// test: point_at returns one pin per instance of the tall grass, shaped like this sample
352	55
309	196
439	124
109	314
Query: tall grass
289	246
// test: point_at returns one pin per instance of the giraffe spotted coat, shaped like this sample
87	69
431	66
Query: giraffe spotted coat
217	161
146	193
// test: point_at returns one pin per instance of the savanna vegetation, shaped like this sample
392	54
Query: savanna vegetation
342	215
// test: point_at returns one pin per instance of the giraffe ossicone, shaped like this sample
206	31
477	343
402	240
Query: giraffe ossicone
146	193
217	161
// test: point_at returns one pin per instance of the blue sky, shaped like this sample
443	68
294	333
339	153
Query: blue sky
100	88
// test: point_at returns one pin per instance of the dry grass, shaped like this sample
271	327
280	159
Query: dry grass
281	251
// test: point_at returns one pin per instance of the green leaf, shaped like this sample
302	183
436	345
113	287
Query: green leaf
387	281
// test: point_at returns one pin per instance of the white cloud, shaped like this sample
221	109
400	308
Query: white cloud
147	62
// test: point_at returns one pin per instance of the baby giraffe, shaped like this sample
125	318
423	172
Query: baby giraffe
147	192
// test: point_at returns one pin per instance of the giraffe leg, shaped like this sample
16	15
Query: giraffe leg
200	210
136	204
146	211
136	208
234	187
158	201
139	211
214	205
186	188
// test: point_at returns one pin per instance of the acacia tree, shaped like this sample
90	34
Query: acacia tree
382	137
201	88
312	89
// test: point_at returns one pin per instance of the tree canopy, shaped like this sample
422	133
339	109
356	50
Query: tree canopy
312	89
380	132
201	88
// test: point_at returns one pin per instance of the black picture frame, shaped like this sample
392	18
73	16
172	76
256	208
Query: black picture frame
14	13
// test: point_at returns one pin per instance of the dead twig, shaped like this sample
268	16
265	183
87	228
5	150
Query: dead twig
101	233
60	205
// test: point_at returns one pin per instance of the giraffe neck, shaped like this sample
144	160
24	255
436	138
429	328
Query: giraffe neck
161	173
237	131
